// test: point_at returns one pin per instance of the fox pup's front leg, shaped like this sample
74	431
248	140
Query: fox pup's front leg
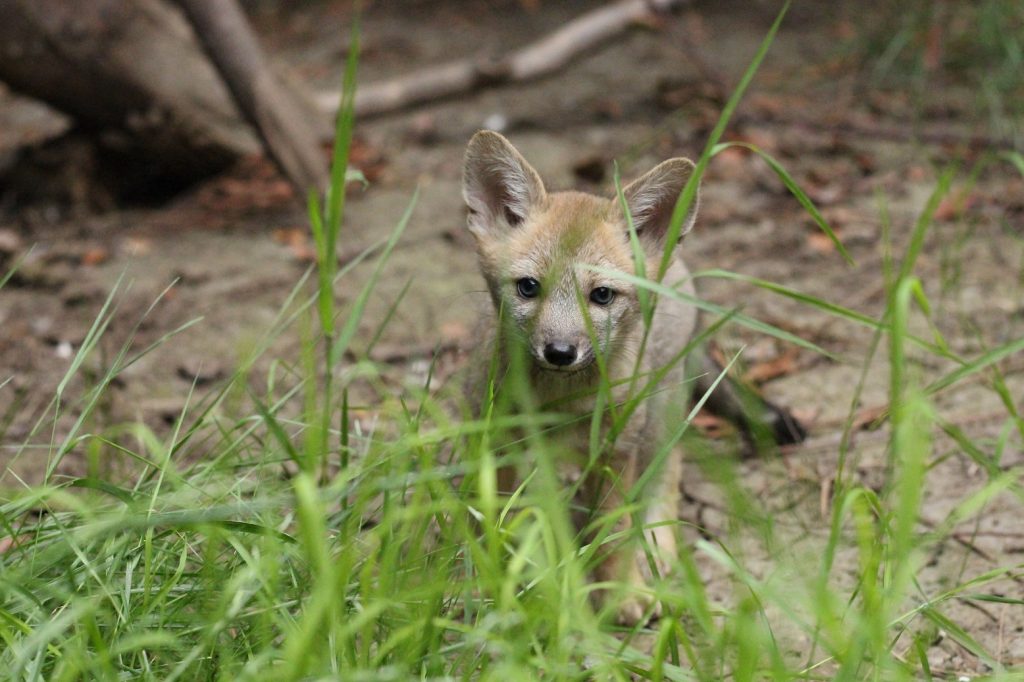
618	559
628	559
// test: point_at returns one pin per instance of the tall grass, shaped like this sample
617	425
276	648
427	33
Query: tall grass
296	540
924	46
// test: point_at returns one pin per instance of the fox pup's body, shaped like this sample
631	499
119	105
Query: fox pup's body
547	259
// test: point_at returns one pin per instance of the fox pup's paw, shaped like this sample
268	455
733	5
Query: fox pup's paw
634	606
637	609
628	608
662	563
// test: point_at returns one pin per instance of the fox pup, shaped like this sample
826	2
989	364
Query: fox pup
544	257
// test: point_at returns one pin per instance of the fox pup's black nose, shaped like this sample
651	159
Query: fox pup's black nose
560	354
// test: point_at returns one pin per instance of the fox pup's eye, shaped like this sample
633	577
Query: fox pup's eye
528	287
602	295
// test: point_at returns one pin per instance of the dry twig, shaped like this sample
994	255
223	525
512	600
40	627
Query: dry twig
541	58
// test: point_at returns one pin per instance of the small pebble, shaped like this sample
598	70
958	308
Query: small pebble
64	350
496	122
10	242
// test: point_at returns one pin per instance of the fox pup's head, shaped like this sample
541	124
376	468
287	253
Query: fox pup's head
538	251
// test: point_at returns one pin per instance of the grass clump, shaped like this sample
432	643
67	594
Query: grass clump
928	46
302	541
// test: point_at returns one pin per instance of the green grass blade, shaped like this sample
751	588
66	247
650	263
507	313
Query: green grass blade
707	306
348	332
689	192
974	366
794	189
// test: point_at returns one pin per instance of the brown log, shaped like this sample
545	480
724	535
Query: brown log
549	54
288	130
128	67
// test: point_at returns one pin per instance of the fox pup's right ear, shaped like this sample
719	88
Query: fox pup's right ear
499	186
652	200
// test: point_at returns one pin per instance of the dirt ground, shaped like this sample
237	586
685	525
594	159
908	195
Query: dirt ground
233	248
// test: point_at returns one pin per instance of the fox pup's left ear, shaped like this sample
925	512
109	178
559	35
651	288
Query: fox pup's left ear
499	186
652	199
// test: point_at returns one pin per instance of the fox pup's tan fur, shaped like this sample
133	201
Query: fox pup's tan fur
538	251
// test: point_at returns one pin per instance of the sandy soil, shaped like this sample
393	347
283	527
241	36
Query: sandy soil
232	249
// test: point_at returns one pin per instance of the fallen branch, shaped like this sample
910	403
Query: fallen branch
541	58
288	133
131	68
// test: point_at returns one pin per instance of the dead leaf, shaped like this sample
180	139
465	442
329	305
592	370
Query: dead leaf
298	242
869	417
840	216
711	425
370	160
954	204
290	236
779	366
95	256
253	184
819	242
717	355
933	47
